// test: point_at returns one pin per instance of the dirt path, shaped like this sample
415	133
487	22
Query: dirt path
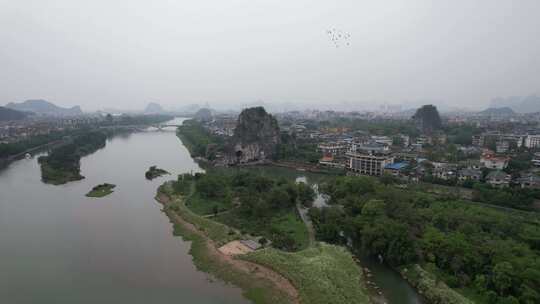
247	267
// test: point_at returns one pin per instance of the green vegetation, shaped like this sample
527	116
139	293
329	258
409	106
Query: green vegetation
62	164
101	190
7	150
154	172
493	254
256	289
298	150
507	197
198	141
322	273
388	127
251	203
433	289
217	232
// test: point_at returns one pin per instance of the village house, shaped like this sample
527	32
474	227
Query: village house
529	181
498	179
491	161
444	171
470	174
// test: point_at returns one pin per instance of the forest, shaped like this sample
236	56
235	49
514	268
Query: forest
489	255
250	202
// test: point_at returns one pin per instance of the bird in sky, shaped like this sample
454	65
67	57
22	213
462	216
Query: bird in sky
338	37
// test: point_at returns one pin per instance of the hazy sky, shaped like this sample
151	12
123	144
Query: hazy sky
124	54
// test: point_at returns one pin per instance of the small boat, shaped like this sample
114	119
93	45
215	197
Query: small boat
27	156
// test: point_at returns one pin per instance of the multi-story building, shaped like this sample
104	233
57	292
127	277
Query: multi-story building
333	149
369	158
532	141
385	140
502	146
478	140
536	159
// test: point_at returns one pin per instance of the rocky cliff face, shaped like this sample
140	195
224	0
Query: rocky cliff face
427	119
255	138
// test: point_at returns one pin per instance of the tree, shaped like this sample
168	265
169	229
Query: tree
306	194
278	198
502	277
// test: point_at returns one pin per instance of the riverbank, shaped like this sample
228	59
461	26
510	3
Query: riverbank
260	284
321	273
427	284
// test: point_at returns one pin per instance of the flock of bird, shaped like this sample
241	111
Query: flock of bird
338	37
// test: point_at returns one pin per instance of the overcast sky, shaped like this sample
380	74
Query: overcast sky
124	54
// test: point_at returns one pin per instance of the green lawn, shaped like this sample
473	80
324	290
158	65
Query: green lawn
322	273
292	225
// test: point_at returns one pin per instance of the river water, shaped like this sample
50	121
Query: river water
58	246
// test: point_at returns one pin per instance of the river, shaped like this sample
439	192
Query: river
58	246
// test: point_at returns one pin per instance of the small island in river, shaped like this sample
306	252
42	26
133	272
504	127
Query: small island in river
63	163
101	190
154	172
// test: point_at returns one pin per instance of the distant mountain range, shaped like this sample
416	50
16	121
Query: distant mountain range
9	114
43	107
505	111
519	104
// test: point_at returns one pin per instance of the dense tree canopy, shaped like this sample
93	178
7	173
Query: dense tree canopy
497	253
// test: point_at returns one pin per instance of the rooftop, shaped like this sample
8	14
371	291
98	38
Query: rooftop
397	166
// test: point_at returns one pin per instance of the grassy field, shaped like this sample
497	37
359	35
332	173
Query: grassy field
322	273
101	190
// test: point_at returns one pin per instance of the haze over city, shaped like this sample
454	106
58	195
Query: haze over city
125	54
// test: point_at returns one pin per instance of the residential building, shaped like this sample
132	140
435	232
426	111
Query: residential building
532	141
502	146
470	174
444	171
491	161
396	169
529	181
478	140
384	140
332	149
536	159
369	159
498	179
